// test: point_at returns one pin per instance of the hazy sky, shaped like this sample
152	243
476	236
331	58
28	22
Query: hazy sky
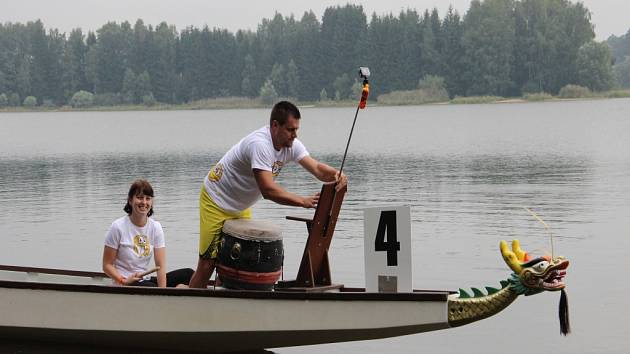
609	16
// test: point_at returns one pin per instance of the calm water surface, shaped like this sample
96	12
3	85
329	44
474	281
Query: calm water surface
467	172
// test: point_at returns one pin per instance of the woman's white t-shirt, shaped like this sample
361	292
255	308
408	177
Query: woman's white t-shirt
134	244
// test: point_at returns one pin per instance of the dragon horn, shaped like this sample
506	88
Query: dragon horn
520	254
510	258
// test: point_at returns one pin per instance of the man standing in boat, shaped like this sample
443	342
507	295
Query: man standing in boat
246	173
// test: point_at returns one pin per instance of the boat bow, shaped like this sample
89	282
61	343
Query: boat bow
530	276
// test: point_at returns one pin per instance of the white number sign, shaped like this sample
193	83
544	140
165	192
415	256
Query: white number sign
387	245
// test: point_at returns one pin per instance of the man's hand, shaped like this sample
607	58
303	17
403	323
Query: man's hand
340	181
310	201
324	173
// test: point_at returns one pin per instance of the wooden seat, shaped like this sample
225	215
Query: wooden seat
314	272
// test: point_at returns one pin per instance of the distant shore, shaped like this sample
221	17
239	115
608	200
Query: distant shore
253	103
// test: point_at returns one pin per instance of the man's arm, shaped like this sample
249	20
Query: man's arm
323	172
272	191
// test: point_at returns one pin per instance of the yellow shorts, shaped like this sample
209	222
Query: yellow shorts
211	219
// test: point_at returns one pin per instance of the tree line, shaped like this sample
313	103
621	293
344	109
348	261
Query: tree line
620	47
499	47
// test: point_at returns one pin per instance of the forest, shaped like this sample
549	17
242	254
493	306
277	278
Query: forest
498	48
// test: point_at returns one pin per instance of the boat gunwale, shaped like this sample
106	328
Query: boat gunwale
75	273
344	294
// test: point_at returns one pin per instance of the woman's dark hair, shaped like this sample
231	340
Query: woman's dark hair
139	187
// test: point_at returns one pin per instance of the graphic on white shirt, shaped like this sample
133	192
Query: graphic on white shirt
141	245
216	172
276	168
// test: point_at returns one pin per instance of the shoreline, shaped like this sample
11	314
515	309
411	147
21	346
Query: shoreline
241	103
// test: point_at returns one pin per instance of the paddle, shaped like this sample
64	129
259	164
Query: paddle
148	271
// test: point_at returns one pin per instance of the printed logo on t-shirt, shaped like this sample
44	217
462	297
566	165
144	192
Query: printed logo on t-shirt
276	168
141	245
216	172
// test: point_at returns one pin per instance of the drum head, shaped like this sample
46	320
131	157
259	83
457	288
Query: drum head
255	230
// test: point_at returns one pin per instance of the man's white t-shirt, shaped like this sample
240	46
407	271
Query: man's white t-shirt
134	244
231	183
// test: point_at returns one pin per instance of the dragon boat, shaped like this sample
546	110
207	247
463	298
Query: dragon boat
84	308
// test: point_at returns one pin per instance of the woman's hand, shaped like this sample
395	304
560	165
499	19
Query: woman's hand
133	278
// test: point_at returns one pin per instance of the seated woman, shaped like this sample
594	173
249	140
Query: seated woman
134	239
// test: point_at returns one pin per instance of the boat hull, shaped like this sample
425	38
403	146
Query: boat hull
193	342
209	320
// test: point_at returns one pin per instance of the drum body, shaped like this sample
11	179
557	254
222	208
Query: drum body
251	255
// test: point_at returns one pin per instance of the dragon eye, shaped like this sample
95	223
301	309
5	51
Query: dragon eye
541	266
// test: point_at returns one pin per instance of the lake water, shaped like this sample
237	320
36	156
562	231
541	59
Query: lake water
466	171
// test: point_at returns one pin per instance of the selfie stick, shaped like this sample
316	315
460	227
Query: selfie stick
364	73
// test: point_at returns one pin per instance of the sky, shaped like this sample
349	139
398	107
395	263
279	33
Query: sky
609	16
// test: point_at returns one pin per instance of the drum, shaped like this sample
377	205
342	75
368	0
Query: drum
251	255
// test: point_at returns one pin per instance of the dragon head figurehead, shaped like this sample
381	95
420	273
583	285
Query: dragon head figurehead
533	275
530	276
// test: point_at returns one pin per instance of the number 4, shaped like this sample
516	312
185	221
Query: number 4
392	246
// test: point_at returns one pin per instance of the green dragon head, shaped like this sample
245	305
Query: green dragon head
533	275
